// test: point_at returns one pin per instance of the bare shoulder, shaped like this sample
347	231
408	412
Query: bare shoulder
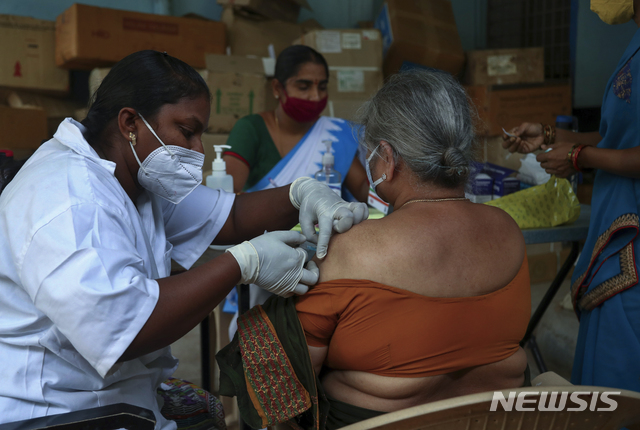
498	227
347	252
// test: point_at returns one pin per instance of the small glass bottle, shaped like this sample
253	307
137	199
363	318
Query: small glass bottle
327	175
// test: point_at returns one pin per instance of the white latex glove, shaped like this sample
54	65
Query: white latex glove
318	203
271	263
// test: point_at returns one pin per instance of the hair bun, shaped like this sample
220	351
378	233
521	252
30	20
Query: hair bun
455	161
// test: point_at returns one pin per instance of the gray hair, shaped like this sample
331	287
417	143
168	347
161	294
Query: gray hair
426	117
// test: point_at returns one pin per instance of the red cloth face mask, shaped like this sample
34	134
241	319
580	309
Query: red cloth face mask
302	110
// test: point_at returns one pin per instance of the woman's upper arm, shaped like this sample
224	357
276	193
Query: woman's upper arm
239	170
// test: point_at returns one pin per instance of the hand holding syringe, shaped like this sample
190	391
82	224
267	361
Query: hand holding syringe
515	138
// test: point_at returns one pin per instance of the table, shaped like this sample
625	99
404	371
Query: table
574	233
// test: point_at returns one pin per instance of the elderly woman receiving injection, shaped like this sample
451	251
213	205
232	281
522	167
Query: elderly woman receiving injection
427	303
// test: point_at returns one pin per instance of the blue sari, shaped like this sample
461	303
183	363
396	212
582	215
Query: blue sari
605	290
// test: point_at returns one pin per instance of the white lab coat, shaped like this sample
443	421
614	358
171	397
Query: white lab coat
77	266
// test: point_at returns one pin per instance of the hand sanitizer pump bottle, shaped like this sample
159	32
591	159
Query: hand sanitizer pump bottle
327	175
219	179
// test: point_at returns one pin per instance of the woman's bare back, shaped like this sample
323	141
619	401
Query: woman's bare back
443	249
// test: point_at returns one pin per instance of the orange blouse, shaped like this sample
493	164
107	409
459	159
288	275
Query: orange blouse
388	331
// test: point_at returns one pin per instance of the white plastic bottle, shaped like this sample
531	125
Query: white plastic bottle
219	179
327	175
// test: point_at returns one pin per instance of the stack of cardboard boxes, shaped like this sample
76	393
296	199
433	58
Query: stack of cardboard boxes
27	63
422	32
36	56
507	88
355	67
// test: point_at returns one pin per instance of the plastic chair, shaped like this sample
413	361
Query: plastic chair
473	411
110	417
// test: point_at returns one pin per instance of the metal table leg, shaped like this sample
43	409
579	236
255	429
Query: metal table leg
529	339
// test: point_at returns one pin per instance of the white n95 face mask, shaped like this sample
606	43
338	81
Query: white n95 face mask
171	172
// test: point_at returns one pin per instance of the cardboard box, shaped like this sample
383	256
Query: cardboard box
27	55
345	109
346	48
238	87
56	109
208	140
285	10
493	152
88	37
545	259
251	37
22	129
422	32
355	60
353	83
509	107
504	66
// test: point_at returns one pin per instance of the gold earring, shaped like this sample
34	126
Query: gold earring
132	139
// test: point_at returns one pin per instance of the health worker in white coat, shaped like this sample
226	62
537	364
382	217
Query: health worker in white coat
90	223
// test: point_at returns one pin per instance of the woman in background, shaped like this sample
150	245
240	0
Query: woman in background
604	285
273	148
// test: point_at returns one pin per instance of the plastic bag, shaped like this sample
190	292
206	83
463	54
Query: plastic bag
548	205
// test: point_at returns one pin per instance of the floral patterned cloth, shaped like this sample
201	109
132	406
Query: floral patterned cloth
623	81
190	406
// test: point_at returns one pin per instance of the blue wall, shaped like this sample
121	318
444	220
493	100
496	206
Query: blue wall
599	47
329	13
597	51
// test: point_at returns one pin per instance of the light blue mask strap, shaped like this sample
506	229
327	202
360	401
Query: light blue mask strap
136	155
